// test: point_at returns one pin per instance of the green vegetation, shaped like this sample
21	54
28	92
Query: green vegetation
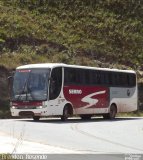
71	31
107	33
132	114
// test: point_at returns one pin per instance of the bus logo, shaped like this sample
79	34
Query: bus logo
92	101
75	91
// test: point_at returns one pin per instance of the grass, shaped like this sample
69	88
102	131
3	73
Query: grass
92	33
131	114
75	29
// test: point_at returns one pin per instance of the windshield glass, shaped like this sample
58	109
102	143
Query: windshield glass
30	85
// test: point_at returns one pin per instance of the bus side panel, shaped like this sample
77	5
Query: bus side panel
87	99
124	98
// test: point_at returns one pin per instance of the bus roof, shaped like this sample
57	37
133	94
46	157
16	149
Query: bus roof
53	65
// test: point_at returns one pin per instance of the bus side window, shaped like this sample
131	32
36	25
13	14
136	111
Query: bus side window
95	77
103	78
70	76
86	77
55	83
106	76
123	82
98	76
131	78
79	76
110	78
113	79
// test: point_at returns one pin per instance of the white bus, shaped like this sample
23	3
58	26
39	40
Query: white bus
56	89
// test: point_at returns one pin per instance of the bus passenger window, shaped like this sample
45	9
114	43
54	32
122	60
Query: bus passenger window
70	76
87	77
131	80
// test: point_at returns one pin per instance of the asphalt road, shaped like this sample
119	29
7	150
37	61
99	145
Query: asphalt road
121	136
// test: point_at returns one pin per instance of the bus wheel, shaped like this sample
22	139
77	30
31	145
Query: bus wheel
67	112
85	117
36	118
112	114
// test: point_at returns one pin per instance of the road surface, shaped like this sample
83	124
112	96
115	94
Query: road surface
121	136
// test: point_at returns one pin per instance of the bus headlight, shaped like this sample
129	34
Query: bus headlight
39	107
14	107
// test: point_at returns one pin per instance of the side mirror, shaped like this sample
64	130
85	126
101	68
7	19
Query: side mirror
10	80
50	80
10	83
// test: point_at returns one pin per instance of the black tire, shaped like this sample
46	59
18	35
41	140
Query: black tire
106	116
85	117
36	118
112	114
67	112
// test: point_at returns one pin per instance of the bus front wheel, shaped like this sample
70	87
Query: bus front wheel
112	113
36	118
67	112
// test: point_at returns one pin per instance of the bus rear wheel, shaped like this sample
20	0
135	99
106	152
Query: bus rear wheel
112	113
36	118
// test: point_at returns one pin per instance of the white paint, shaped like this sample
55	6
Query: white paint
91	101
75	91
124	102
52	65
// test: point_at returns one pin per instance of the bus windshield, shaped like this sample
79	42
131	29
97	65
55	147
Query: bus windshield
30	85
